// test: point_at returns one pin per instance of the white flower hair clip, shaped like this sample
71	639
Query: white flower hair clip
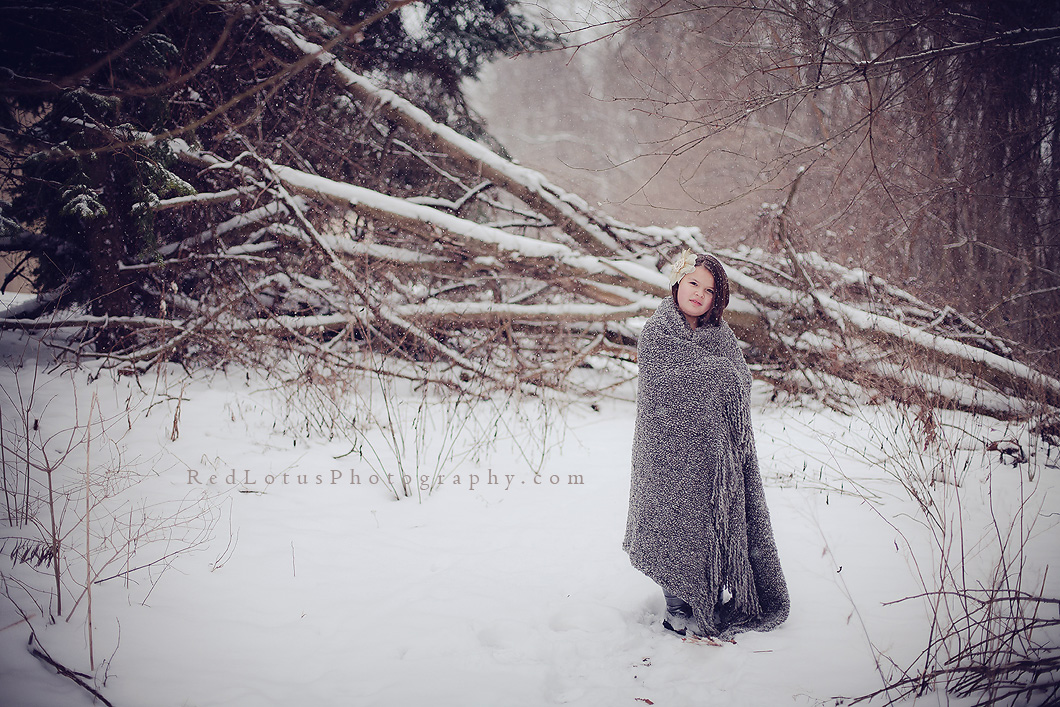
685	263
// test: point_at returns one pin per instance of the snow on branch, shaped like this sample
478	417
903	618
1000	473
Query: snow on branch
492	241
1002	372
566	210
499	311
198	199
270	210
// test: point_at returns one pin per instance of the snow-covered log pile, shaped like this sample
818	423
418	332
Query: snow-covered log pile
819	324
487	276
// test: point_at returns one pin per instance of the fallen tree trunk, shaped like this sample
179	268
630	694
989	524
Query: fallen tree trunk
566	211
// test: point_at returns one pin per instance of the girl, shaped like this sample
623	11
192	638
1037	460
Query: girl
698	523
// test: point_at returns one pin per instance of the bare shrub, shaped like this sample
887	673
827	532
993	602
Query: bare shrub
414	433
74	519
991	631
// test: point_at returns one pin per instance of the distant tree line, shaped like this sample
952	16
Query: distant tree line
927	128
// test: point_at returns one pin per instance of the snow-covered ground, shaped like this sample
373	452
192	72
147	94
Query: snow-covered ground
301	580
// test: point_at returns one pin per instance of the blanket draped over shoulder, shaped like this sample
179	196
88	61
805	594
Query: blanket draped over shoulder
698	520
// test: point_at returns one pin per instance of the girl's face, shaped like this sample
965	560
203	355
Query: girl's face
695	294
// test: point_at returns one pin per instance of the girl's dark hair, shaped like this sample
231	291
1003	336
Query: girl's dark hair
721	289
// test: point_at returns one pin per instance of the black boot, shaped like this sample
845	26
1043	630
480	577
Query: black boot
679	616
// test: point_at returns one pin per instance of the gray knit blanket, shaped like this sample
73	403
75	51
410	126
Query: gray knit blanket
698	523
